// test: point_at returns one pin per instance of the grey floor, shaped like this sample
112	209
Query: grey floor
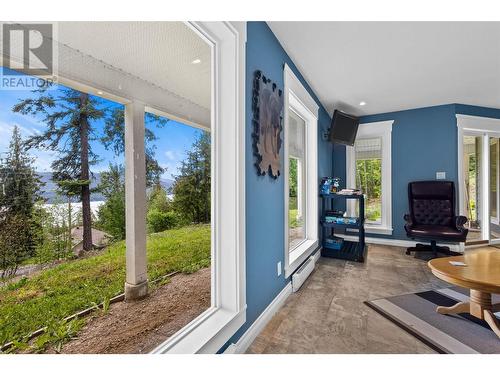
328	315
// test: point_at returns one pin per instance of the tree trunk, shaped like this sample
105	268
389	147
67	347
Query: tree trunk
85	175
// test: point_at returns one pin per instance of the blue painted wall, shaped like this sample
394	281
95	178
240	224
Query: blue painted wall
424	141
264	195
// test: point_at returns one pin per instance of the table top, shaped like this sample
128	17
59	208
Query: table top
481	273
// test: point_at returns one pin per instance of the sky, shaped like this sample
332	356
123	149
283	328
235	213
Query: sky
174	139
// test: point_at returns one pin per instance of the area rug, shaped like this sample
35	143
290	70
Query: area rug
454	334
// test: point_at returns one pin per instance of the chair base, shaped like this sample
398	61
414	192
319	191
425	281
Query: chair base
434	250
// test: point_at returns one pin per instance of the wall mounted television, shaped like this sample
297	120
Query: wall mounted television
343	129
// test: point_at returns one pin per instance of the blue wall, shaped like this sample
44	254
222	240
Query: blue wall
424	141
264	195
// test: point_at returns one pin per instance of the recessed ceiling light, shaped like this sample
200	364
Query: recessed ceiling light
362	103
196	61
100	92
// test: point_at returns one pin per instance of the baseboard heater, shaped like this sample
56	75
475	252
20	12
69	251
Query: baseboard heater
299	277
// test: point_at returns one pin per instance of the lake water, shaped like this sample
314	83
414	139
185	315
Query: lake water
62	209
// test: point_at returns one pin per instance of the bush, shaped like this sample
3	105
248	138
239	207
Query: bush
159	221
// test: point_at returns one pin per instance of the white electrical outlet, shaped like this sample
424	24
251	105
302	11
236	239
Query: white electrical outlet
440	175
279	268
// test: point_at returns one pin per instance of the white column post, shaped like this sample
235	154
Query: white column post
485	191
136	283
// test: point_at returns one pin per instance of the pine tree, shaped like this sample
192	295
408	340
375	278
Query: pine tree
19	184
192	186
69	116
19	187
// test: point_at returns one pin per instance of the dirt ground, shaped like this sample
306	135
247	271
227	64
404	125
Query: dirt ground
138	327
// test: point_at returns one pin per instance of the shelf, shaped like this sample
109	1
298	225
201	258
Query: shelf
340	225
350	251
334	195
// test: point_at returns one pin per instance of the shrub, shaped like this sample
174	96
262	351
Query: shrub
159	221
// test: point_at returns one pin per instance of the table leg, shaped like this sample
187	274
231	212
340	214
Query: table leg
461	307
479	306
492	322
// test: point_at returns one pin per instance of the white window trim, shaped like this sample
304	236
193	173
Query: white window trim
383	130
496	219
211	330
297	97
484	127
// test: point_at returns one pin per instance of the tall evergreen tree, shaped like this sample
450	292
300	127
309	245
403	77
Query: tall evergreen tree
192	186
19	184
69	116
19	187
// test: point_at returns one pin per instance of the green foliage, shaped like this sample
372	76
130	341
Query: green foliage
158	199
292	177
55	239
19	229
159	221
111	215
369	180
192	187
72	286
293	222
18	180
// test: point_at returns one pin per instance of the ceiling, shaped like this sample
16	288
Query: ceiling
395	65
158	52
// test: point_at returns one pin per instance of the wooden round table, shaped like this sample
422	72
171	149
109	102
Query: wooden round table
481	275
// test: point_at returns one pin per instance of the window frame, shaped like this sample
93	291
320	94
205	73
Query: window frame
382	130
298	100
212	329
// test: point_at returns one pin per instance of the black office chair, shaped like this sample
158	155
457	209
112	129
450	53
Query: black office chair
432	216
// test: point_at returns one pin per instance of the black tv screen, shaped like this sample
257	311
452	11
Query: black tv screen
344	128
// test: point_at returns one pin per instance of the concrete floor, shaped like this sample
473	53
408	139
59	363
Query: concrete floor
327	315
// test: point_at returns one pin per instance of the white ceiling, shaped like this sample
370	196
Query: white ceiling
158	52
395	65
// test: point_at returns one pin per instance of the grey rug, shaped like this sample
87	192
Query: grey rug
457	333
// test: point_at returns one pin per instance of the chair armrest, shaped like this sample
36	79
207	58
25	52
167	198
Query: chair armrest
459	222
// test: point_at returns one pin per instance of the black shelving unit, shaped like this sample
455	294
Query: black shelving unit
350	250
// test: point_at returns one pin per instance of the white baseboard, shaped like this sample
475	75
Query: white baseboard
398	242
251	333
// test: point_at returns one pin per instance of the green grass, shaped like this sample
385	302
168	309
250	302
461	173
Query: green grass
73	286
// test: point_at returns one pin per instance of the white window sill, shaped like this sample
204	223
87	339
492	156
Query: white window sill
374	229
206	334
299	255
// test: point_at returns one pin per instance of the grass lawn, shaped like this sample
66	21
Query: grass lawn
68	288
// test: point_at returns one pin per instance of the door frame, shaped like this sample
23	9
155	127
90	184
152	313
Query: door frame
486	128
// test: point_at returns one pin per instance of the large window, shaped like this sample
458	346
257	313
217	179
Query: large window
369	169
122	178
300	173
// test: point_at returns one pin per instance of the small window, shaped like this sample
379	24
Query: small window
368	153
